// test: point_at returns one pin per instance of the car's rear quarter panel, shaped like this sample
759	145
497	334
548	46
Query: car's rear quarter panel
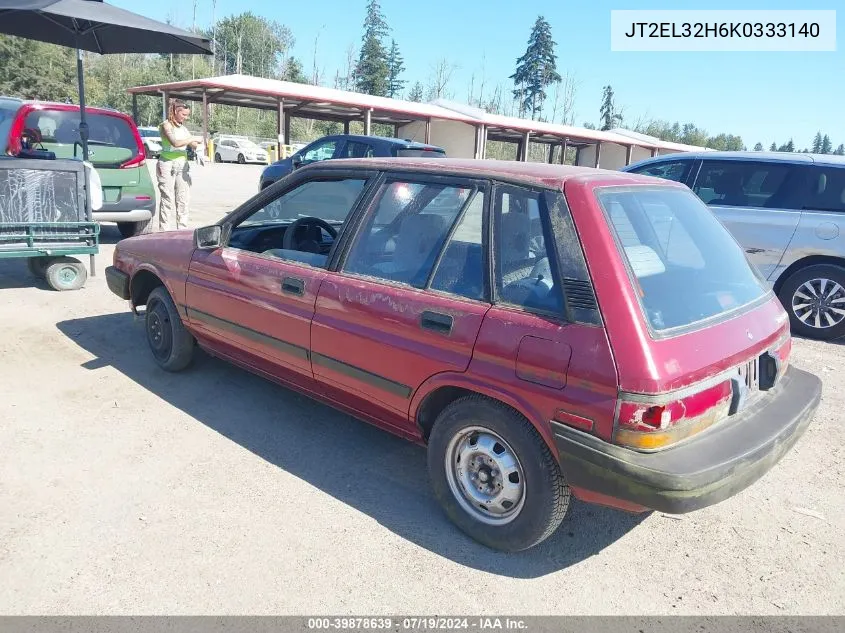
653	365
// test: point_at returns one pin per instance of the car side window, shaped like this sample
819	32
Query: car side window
523	265
402	237
461	270
676	170
320	151
827	189
744	183
356	149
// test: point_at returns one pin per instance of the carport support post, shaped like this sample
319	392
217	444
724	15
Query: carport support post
281	137
552	152
523	147
346	126
478	134
629	153
563	149
135	108
165	100
598	154
286	133
368	122
653	152
427	131
205	122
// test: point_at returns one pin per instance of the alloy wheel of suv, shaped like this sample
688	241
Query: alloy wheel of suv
815	299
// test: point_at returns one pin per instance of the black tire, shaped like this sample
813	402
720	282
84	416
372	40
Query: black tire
792	302
218	158
545	495
241	159
171	344
38	266
131	229
65	273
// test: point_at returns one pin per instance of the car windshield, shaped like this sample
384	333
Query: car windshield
686	266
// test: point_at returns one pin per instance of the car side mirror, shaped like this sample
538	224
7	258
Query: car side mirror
296	160
208	237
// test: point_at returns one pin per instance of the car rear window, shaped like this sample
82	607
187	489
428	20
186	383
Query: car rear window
685	265
111	139
406	152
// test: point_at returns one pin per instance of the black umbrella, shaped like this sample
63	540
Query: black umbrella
95	26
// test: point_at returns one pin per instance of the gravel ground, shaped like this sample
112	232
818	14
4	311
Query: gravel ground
125	490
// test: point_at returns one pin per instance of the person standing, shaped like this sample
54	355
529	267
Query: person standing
173	169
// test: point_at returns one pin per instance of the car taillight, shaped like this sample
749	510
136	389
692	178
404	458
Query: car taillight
14	146
649	424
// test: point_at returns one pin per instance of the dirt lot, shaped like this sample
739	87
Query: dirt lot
127	490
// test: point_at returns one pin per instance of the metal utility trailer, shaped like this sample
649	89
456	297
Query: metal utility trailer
46	217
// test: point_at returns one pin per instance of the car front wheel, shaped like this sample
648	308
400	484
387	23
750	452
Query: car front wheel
814	297
494	475
171	344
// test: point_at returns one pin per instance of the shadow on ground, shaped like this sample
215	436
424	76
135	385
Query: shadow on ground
360	465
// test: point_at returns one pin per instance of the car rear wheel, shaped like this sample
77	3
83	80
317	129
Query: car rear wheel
131	229
218	158
814	297
494	475
241	159
171	344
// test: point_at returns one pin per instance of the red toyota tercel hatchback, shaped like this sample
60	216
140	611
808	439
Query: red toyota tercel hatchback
546	331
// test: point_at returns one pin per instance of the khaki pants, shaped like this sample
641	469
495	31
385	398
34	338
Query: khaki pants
174	187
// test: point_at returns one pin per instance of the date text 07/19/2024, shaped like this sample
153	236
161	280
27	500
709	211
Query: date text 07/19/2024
422	623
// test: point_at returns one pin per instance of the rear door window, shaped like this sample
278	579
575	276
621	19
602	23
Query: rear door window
685	265
742	183
356	149
111	140
826	190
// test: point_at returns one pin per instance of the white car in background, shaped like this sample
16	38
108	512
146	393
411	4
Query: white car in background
151	138
239	150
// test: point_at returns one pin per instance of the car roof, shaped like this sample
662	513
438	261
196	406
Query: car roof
62	106
533	174
404	143
775	157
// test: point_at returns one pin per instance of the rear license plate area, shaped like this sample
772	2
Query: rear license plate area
746	384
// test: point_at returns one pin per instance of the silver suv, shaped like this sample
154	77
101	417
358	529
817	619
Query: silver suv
788	213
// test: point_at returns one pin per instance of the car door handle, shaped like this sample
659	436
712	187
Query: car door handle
436	322
752	251
293	286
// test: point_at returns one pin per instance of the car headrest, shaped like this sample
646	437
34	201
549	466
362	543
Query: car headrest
645	261
728	182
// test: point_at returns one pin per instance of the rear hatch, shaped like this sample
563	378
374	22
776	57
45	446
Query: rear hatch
420	151
114	147
696	332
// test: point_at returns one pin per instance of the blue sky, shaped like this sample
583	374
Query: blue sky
763	97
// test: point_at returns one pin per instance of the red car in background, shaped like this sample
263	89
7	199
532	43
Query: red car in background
544	330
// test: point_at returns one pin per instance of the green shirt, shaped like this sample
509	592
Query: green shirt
168	152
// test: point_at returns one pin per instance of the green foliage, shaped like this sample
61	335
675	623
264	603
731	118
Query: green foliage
535	70
758	147
250	44
827	146
689	134
34	70
416	93
840	151
395	68
372	70
610	118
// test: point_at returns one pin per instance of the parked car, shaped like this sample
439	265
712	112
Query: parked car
347	146
115	150
239	150
151	136
788	213
605	338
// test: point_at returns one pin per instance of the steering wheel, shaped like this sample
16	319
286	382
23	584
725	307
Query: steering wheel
308	245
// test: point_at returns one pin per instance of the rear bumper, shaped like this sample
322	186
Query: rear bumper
118	282
133	215
704	470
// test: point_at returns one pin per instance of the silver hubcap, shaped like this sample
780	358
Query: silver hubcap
819	303
485	475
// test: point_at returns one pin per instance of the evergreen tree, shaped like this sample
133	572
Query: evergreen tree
610	117
790	146
827	146
536	70
371	72
817	143
395	68
774	147
758	147
840	151
416	93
